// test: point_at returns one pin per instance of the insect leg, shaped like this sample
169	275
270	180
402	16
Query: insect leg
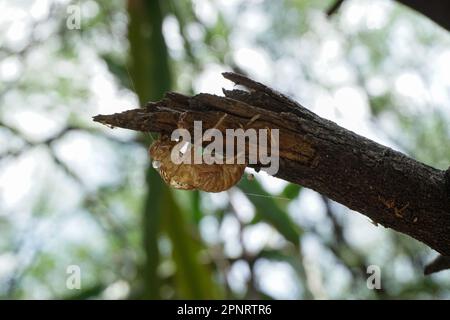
220	121
253	119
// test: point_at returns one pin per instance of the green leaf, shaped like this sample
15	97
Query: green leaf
270	211
151	228
91	292
193	277
150	72
291	191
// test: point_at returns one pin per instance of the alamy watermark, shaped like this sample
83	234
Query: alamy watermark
73	281
259	143
73	21
374	280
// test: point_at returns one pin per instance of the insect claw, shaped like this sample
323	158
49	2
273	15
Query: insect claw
253	119
220	121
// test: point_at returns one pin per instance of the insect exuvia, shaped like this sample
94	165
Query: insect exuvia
213	177
206	177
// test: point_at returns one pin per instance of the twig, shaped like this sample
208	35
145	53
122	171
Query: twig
440	263
335	7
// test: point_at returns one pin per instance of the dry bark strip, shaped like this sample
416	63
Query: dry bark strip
389	187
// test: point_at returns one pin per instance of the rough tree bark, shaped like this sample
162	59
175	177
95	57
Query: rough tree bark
389	187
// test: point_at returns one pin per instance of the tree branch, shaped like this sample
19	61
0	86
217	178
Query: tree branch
436	10
438	264
392	189
334	7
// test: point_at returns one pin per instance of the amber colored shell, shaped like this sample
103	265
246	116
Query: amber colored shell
206	177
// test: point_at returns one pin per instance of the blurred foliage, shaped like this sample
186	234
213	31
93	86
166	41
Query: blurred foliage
132	236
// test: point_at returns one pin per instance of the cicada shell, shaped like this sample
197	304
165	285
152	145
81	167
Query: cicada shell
206	177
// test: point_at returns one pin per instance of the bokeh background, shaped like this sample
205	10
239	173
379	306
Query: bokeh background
73	192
